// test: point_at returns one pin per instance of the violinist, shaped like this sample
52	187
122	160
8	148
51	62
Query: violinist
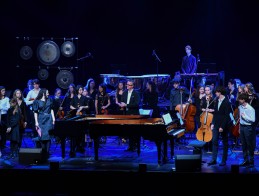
219	125
58	104
68	98
232	93
81	105
240	90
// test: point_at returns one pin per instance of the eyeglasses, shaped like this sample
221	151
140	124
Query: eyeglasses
129	84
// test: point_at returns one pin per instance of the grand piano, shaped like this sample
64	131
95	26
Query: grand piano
76	126
153	129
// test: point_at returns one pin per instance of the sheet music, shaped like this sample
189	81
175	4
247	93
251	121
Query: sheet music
167	119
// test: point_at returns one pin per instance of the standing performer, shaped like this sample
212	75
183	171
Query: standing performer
4	106
247	133
22	105
44	119
220	125
130	101
13	120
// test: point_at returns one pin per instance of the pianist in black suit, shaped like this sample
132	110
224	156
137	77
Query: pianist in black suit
130	101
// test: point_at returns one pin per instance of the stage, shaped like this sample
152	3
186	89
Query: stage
120	172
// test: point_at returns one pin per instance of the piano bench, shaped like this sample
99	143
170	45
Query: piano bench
198	145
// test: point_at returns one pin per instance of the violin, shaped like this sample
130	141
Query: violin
104	111
60	114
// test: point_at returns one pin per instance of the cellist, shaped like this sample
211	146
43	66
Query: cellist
178	94
207	104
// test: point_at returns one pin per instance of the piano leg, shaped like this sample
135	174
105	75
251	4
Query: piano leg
72	147
172	146
138	146
63	146
159	151
96	147
165	159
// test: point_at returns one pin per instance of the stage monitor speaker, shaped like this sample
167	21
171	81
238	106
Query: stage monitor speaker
30	156
188	163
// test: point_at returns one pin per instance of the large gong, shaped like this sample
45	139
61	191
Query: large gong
43	74
68	48
48	52
64	79
26	52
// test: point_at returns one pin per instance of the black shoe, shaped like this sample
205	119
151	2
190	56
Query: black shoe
222	164
130	149
251	165
213	162
244	164
72	154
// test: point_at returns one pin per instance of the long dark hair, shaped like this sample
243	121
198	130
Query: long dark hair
42	92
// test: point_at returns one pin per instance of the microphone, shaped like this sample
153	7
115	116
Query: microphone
155	55
88	55
198	58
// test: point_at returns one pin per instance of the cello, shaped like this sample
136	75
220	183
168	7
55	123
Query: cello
187	112
236	123
204	133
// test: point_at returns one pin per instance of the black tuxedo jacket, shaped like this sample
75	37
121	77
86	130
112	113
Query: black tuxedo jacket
133	106
221	116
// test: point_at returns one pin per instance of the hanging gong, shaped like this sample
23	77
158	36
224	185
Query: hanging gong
43	74
68	49
26	52
48	52
64	79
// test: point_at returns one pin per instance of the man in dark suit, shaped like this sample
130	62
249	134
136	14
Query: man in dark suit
220	122
130	101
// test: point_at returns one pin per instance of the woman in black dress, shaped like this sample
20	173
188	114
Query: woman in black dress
44	119
13	119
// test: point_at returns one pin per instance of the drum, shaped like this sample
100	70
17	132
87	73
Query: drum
161	80
138	82
111	79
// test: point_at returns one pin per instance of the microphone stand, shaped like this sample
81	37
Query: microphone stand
157	61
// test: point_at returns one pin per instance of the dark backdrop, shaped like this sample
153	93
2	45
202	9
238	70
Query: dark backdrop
124	34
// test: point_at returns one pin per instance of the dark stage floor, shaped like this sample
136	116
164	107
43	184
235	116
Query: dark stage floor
116	166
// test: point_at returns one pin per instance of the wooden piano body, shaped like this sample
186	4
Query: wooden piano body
77	126
152	129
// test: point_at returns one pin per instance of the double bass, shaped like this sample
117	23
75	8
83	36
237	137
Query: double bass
204	133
